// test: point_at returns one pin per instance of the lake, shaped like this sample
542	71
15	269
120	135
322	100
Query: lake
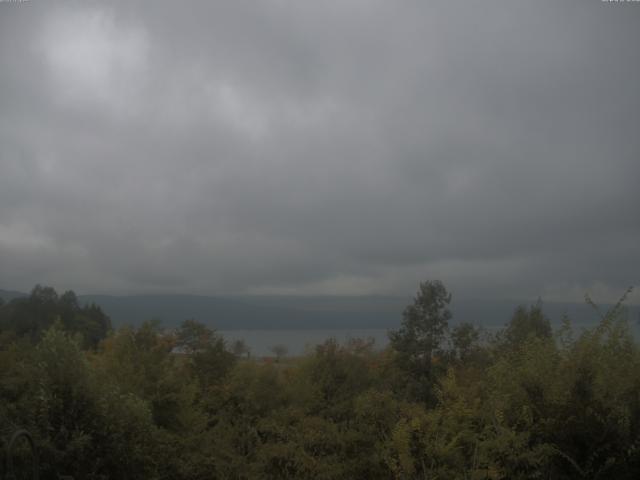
299	341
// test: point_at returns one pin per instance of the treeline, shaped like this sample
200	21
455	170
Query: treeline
29	317
441	402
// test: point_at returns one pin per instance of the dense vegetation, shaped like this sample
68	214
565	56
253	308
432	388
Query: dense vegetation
440	402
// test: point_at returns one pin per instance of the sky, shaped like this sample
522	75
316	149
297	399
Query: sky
339	147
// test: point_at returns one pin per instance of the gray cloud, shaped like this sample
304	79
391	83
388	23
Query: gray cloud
329	147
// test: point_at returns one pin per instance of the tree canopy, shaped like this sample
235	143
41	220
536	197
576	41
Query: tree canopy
155	403
420	337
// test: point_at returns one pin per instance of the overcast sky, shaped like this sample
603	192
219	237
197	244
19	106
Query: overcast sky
347	146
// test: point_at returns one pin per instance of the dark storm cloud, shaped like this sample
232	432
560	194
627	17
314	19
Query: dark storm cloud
347	146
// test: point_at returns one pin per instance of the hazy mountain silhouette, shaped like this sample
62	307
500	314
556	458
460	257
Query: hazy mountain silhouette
312	312
8	295
318	312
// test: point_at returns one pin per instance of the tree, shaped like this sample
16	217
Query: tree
193	336
421	335
525	324
30	316
208	357
464	339
240	348
279	351
43	295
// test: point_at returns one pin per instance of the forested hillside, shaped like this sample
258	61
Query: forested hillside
442	401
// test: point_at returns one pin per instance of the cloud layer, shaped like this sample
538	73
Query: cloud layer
320	147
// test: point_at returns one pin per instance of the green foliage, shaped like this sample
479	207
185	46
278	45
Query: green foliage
155	404
83	425
29	317
205	352
465	340
420	338
525	324
573	404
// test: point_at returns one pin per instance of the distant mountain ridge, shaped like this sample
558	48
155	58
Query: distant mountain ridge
250	312
247	312
8	295
319	312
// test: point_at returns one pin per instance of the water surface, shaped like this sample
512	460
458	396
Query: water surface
299	341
